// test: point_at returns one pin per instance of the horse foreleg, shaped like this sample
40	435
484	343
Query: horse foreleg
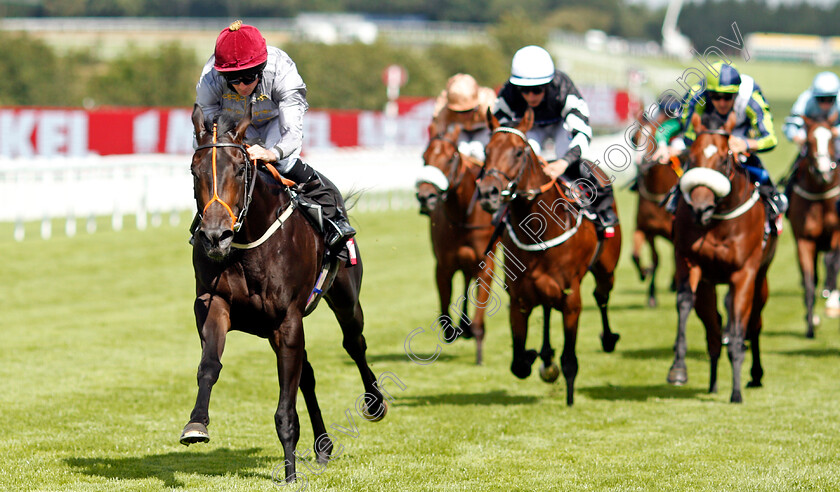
212	315
653	267
483	289
742	285
443	277
832	268
522	359
688	279
323	445
638	243
571	306
753	331
706	309
288	344
549	371
465	324
806	251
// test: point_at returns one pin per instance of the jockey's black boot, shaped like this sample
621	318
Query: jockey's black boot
671	200
777	202
322	191
602	207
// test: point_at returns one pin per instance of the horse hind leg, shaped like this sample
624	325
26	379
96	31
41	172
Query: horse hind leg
465	324
603	286
343	299
830	292
568	359
213	324
443	278
638	242
753	331
549	371
806	251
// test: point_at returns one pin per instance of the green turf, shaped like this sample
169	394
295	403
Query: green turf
99	356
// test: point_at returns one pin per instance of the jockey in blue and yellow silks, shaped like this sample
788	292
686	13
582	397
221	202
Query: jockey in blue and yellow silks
728	91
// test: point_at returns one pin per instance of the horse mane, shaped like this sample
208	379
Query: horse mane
712	120
224	123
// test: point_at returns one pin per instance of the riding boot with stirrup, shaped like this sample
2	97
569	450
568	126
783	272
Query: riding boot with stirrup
778	201
322	191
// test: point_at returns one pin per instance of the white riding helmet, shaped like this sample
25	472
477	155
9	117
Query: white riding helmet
531	66
825	84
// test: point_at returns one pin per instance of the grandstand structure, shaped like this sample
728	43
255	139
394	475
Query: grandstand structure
823	51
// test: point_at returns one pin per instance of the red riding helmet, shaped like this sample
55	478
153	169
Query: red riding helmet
239	47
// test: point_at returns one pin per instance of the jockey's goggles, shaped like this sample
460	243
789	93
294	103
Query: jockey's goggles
725	96
826	99
535	89
236	78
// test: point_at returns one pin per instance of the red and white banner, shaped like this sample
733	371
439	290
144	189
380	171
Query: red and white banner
46	132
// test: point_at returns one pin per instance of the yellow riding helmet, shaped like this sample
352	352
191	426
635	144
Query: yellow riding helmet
728	80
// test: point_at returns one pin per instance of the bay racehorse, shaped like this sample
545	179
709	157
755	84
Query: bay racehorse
460	232
813	216
256	259
720	237
654	181
546	232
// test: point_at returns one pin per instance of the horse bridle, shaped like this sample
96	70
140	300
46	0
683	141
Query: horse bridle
509	193
250	181
455	162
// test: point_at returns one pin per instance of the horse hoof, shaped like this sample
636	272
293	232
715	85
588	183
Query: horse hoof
677	376
608	341
194	432
520	369
736	397
809	333
754	384
549	374
376	417
652	302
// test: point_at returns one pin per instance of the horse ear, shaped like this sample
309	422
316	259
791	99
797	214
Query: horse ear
730	122
527	121
697	123
244	123
492	121
198	121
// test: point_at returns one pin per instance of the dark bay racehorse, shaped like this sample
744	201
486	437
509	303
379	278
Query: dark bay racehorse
460	231
555	244
720	238
256	259
652	220
813	215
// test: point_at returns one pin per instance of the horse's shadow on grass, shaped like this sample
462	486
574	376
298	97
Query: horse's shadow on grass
497	397
164	467
660	353
401	357
640	393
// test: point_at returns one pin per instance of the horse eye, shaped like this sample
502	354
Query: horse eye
240	172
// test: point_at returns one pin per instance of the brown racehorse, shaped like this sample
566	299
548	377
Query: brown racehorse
652	220
720	238
256	259
813	213
460	231
555	244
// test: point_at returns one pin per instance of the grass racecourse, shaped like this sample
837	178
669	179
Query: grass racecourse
99	354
